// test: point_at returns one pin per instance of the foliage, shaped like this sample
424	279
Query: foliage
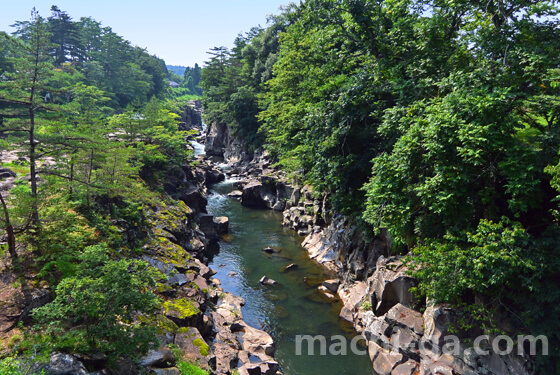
85	110
22	365
95	309
9	366
486	262
127	74
187	368
438	121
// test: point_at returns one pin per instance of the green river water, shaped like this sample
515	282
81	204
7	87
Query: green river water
291	308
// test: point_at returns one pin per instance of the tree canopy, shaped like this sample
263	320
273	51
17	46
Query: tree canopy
436	120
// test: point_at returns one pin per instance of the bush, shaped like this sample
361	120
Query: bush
94	310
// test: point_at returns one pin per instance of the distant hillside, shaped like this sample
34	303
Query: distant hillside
179	70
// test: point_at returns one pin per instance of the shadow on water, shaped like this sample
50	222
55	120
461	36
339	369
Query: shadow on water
290	308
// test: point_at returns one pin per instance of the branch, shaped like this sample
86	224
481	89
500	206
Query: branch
14	130
14	101
70	178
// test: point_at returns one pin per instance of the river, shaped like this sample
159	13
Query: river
293	306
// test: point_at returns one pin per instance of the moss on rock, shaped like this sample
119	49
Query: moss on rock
180	308
202	346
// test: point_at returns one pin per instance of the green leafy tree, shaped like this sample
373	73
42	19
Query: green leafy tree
95	309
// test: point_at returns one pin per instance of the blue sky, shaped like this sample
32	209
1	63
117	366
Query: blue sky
180	32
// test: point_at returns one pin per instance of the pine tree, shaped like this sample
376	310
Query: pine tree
24	91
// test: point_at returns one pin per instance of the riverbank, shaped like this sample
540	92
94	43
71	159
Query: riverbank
373	286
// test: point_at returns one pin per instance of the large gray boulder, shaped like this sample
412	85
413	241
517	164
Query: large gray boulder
258	195
390	285
193	347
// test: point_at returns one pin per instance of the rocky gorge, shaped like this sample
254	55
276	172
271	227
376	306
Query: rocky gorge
206	324
404	335
198	322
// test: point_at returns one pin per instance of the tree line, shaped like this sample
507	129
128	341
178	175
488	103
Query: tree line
104	59
436	120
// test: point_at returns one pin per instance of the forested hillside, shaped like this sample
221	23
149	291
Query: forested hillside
436	120
87	135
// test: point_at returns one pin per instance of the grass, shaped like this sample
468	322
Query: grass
187	368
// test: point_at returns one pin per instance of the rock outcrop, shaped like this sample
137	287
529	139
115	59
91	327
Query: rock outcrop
191	117
402	340
217	139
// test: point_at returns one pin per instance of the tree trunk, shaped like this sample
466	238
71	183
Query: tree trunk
33	169
9	230
71	189
89	180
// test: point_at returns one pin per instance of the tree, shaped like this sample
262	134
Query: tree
9	228
64	35
94	309
24	90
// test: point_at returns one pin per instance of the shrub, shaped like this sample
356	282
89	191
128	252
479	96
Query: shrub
94	310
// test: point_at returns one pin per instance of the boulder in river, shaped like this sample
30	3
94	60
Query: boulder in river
270	250
237	194
258	195
222	224
213	226
267	281
290	267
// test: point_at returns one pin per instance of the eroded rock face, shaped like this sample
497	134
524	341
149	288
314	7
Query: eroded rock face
255	341
351	297
390	285
340	246
225	358
246	346
192	116
217	138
